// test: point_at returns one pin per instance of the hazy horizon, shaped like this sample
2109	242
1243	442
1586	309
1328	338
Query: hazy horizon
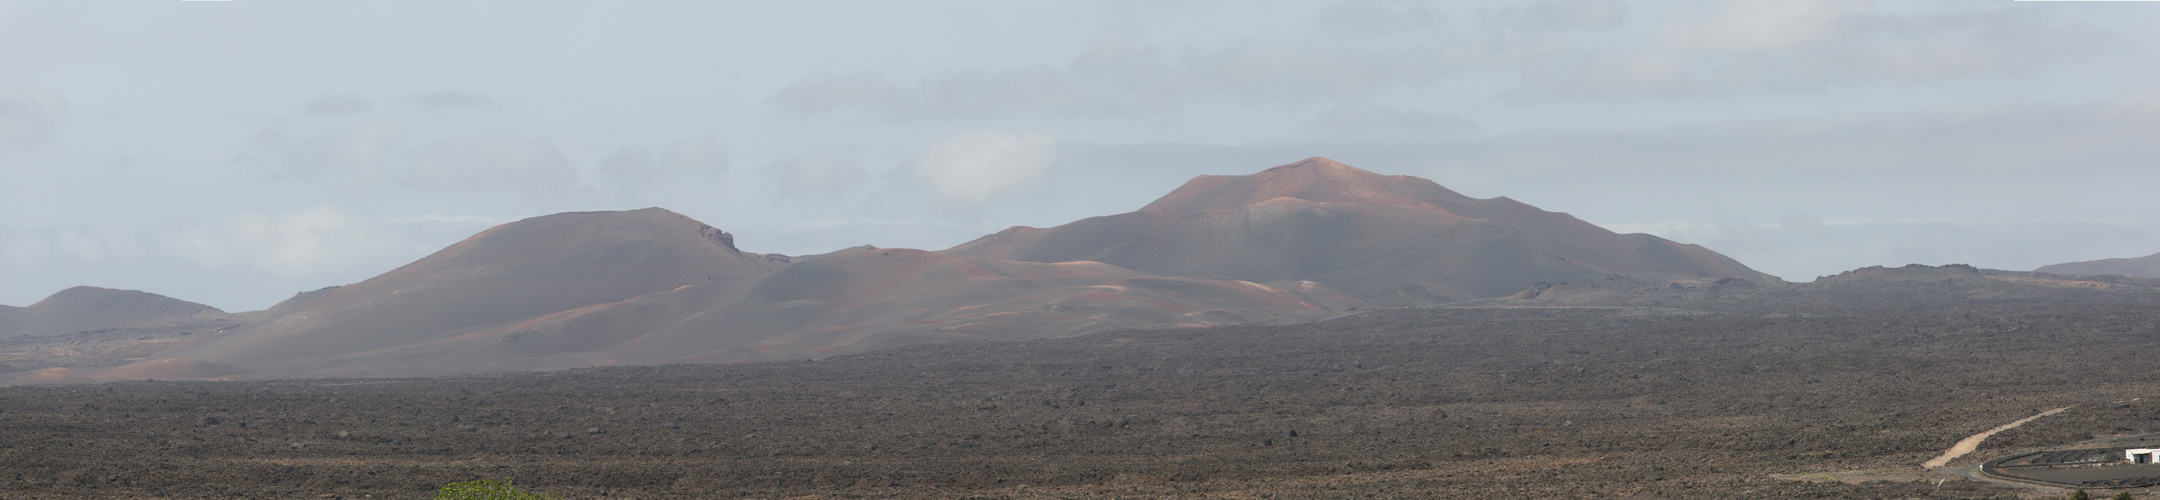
234	153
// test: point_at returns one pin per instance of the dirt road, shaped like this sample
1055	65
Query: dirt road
1973	443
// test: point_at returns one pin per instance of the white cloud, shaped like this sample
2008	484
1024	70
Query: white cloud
497	159
1378	16
825	93
303	242
814	176
971	169
336	105
632	169
24	251
1559	15
2143	105
347	150
629	169
1756	26
28	118
1120	76
349	145
695	155
1556	50
442	100
1368	121
1716	49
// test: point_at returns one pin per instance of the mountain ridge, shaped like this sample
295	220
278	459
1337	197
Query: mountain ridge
2138	267
1394	240
1293	243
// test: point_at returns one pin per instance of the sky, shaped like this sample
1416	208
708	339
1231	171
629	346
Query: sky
235	153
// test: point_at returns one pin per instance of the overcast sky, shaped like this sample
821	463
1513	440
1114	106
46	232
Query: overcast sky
233	153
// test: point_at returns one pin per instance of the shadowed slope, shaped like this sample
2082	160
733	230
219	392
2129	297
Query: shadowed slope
848	301
865	299
2142	267
511	272
86	308
1386	239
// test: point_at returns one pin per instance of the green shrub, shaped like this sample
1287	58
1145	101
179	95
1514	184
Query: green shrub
482	489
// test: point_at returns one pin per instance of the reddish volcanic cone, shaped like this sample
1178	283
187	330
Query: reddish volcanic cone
524	269
1385	239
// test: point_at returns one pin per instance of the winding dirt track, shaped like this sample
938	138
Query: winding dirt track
1973	443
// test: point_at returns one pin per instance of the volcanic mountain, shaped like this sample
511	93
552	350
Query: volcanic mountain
1394	240
511	272
1291	244
651	286
2142	267
85	308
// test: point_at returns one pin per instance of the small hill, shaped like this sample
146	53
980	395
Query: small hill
524	269
1392	240
85	308
2141	267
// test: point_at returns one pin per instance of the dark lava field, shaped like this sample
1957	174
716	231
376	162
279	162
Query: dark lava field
1676	393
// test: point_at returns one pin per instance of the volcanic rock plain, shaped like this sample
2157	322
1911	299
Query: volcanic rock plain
1705	391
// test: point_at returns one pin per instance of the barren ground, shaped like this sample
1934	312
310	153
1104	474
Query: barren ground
1693	398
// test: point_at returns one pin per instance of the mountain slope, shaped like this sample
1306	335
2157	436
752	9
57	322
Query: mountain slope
614	288
1386	239
514	271
848	301
2142	267
84	308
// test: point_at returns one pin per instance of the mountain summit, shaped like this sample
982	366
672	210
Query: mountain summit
1394	240
1318	180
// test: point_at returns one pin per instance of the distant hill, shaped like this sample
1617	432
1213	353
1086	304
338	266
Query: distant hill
1393	240
650	286
524	269
85	308
2142	267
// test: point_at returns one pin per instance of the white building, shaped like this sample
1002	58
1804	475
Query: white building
2140	455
